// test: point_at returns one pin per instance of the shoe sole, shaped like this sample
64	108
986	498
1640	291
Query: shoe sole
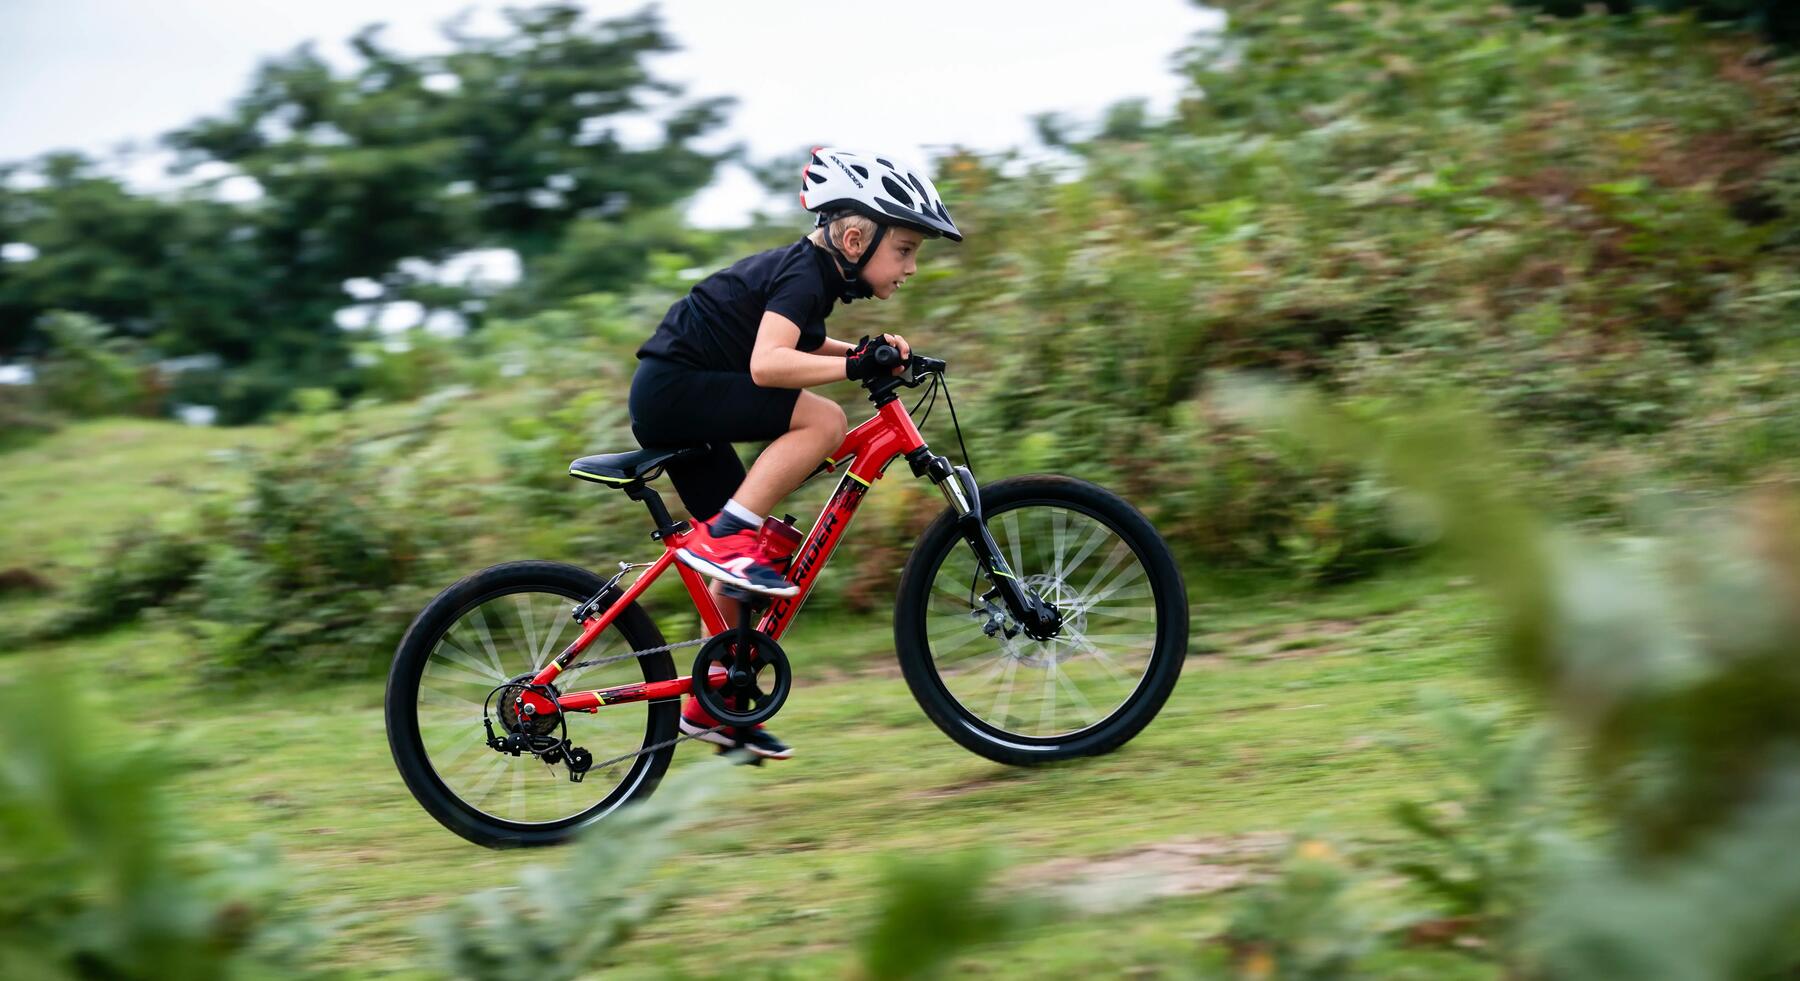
723	574
722	739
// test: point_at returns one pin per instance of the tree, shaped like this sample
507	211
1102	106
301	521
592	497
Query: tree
504	141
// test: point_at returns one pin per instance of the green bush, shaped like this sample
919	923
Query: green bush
572	919
144	567
340	540
23	417
89	370
104	879
1480	841
1669	666
930	911
1304	925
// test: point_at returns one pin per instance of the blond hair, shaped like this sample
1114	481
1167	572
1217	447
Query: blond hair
860	222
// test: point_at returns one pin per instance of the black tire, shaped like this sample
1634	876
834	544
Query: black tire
525	587
1058	501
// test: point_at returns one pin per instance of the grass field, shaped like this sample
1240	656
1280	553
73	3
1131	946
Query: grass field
1280	726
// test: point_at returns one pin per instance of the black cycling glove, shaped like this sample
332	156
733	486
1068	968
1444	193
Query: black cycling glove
859	361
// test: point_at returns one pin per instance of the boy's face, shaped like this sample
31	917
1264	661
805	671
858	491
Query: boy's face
895	259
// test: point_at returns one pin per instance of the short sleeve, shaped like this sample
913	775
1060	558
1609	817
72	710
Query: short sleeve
796	293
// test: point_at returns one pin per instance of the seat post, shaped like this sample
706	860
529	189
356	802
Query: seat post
659	513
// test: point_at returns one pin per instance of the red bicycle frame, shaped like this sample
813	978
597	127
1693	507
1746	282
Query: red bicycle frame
870	446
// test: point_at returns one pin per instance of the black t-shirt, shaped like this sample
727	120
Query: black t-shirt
714	326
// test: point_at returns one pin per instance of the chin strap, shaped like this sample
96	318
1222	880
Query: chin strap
853	287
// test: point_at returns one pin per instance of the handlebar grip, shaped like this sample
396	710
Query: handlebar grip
887	355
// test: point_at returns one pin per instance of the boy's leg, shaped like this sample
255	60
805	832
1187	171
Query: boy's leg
817	428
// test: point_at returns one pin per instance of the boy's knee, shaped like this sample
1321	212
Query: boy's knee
823	416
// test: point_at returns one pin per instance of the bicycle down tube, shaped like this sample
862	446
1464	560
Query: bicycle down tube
871	446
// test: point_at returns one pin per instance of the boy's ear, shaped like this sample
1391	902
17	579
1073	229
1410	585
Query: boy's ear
852	243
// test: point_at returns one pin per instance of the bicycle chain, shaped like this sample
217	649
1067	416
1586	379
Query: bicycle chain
665	744
616	658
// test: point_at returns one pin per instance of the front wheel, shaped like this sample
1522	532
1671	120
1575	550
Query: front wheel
1085	691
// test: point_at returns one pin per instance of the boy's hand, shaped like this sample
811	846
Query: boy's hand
859	361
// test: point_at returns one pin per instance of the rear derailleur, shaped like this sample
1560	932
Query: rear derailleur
543	736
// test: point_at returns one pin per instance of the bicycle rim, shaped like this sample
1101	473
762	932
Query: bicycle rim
490	642
1045	690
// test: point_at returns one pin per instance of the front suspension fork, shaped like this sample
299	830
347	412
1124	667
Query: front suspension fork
1041	620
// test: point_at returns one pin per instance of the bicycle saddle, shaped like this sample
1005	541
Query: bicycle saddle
635	466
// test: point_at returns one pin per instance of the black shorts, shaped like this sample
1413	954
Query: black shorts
673	404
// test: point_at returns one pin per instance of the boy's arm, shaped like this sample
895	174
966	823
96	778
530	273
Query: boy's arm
776	363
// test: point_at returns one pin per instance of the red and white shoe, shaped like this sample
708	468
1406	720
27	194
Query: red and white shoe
736	558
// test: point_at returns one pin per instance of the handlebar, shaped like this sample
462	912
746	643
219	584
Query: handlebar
918	367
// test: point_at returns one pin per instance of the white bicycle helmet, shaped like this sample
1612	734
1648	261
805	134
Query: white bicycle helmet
836	181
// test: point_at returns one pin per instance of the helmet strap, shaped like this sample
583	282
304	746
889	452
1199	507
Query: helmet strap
853	287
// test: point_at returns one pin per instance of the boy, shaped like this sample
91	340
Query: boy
730	360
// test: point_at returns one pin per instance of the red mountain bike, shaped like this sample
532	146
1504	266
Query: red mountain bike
1038	618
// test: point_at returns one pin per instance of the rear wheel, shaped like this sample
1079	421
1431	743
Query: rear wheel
1087	690
488	629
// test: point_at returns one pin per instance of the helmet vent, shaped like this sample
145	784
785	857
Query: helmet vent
886	163
815	176
914	178
899	193
860	170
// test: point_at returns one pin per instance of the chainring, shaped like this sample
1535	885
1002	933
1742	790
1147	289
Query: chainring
742	700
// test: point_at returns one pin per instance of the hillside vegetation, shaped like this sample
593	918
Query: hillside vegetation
1452	347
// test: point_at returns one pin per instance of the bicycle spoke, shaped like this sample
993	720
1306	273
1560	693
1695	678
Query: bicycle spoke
449	651
1099	535
1087	711
1047	711
1130	575
543	653
522	607
1011	520
480	625
488	645
1047	689
1004	699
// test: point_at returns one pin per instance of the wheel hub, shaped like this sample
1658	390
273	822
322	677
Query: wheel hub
514	713
1054	591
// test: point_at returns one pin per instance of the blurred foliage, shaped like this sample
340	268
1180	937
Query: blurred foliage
1585	226
143	568
23	416
571	920
1668	664
103	877
1776	18
1305	924
1481	841
341	539
88	371
930	911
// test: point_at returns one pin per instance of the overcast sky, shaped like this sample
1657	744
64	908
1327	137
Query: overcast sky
907	76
